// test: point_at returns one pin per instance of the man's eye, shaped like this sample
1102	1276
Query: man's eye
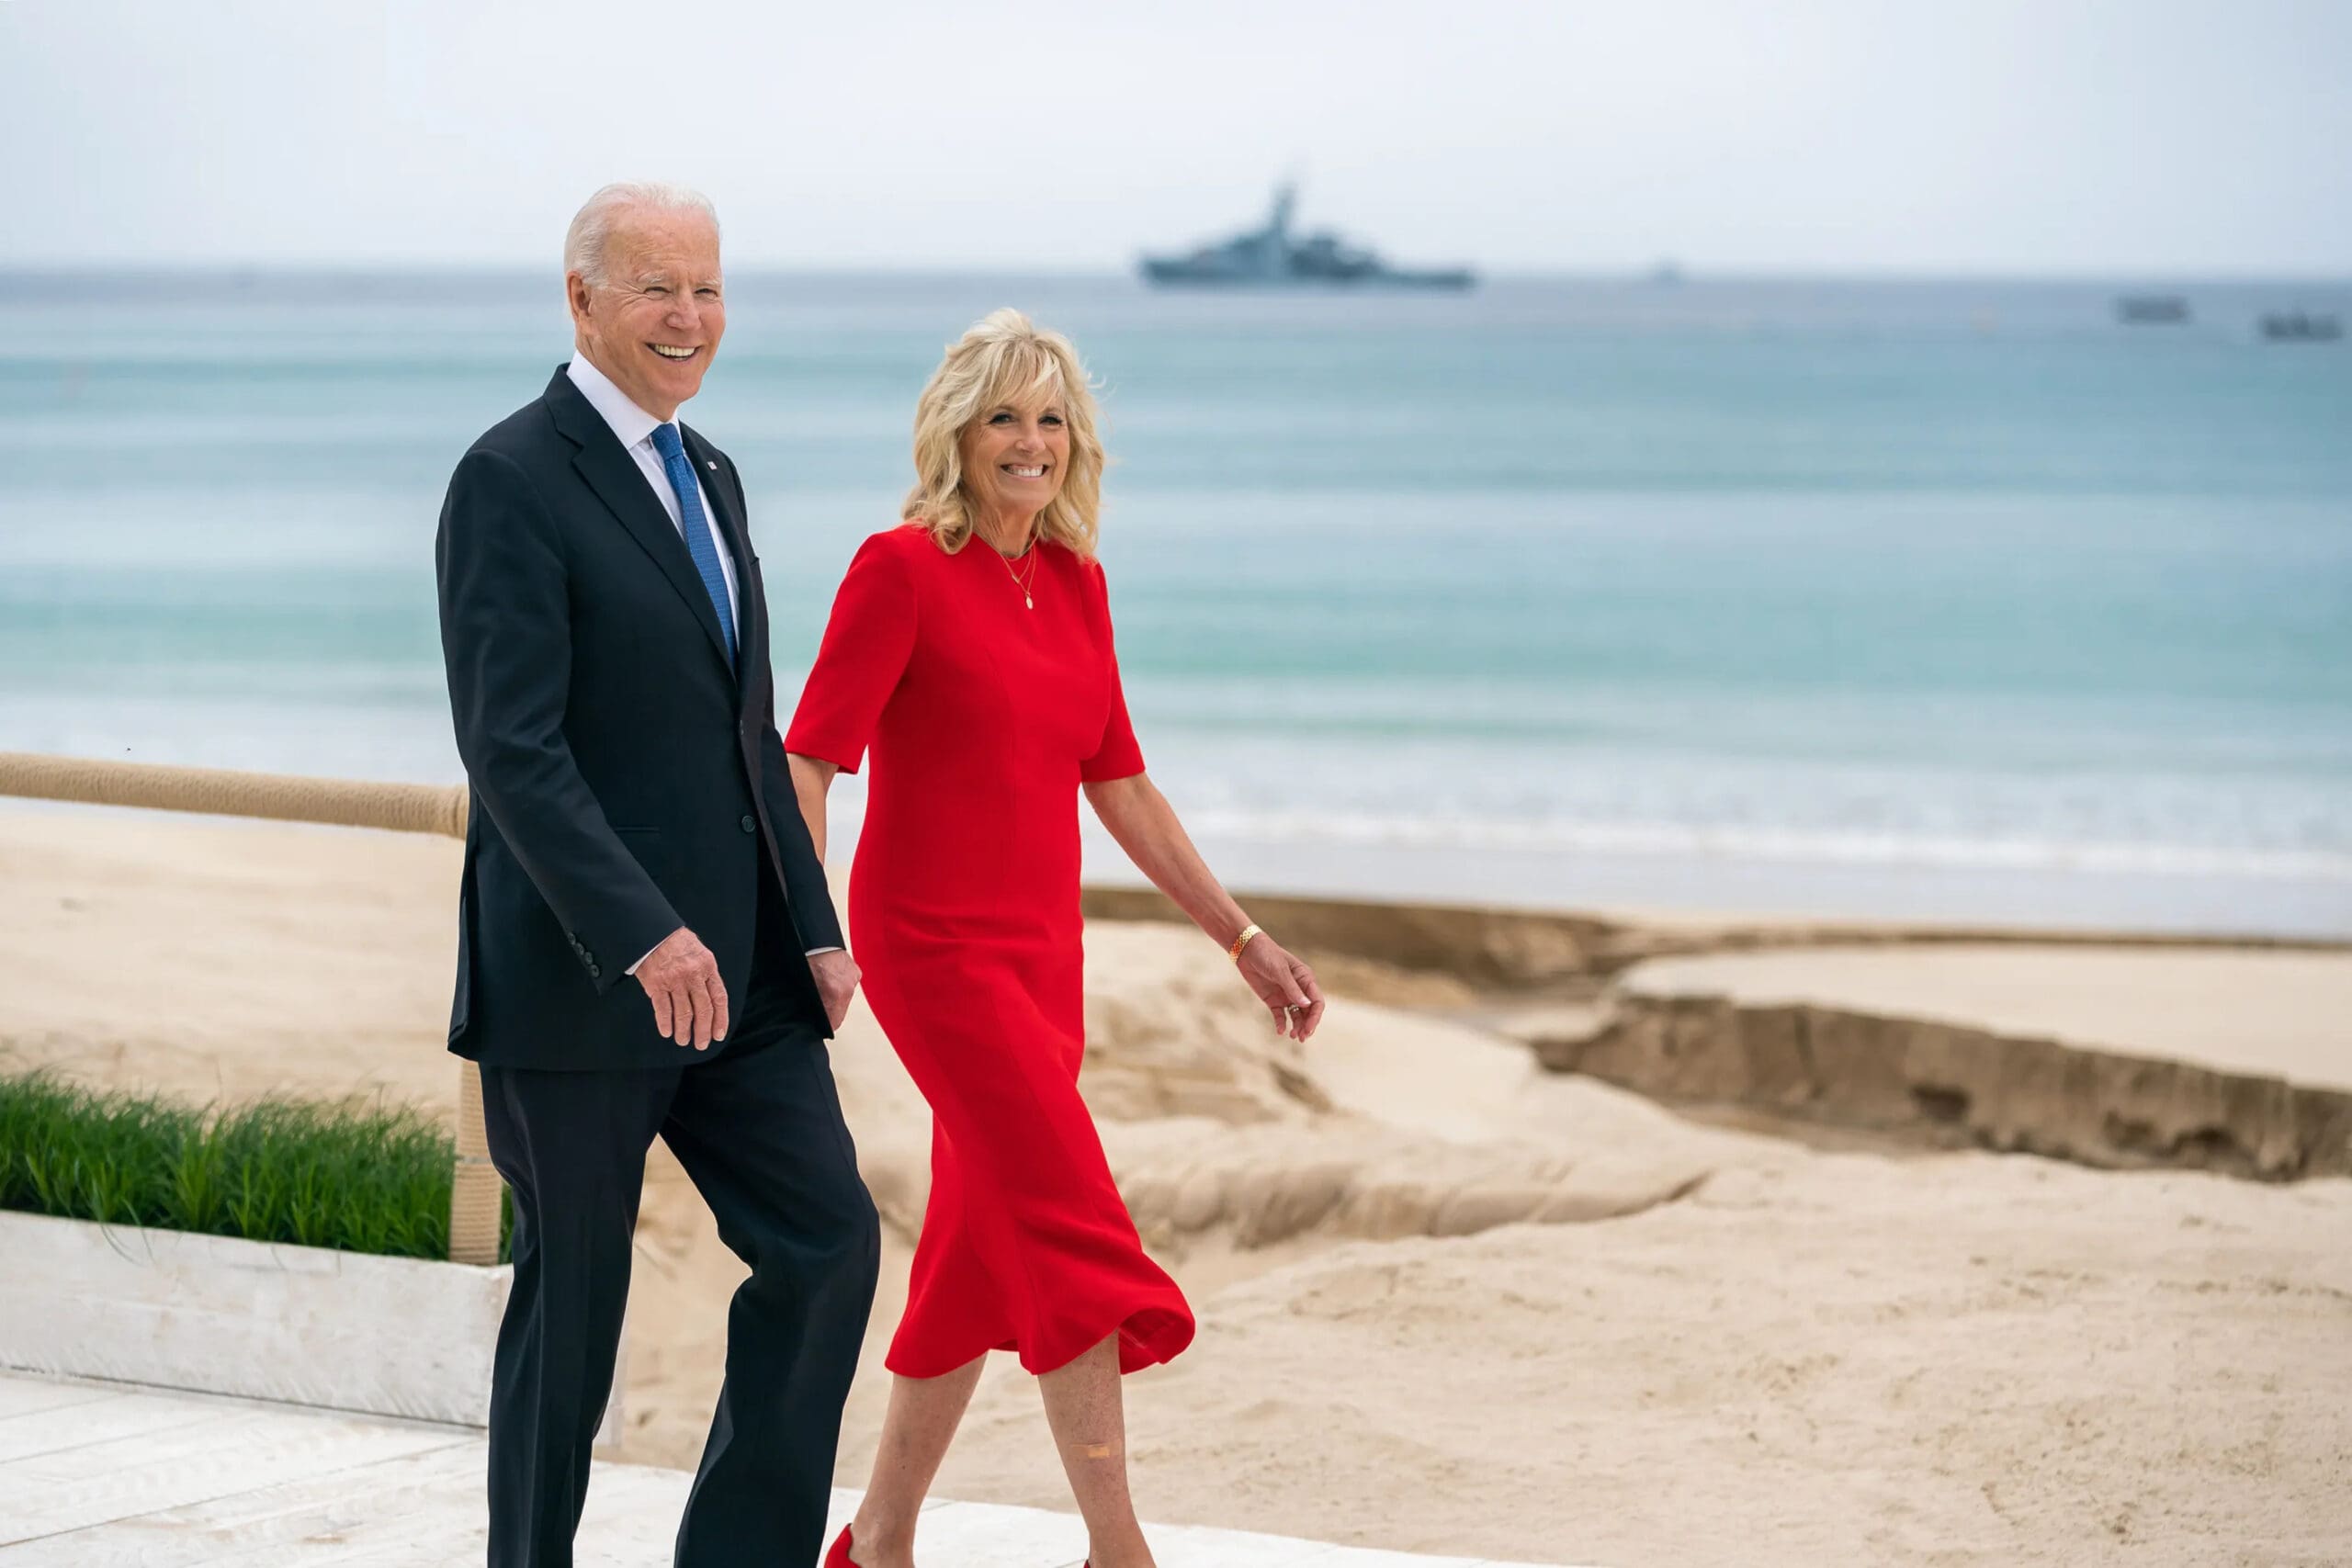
655	288
708	293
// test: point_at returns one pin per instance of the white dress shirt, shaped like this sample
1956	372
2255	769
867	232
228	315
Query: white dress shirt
635	428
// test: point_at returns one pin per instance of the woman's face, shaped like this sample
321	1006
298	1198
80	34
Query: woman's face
1013	458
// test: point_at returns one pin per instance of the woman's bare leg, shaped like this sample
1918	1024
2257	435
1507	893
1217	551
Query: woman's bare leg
916	1431
1084	1408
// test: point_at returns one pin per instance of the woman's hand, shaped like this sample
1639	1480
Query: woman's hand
836	974
1285	984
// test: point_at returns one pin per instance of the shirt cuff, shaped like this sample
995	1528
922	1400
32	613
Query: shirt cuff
649	951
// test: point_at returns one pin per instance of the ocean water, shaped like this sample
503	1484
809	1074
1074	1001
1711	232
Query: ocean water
1924	600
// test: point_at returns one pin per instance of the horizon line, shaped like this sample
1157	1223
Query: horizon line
1681	273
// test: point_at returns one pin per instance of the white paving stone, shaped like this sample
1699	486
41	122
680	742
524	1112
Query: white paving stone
107	1476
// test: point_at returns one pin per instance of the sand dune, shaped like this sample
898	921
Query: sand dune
1449	1302
1835	1359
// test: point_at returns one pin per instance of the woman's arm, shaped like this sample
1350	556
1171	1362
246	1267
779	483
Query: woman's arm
812	781
836	972
1145	824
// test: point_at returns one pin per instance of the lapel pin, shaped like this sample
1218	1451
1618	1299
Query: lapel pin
711	463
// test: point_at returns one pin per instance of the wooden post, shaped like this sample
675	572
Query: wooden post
475	1192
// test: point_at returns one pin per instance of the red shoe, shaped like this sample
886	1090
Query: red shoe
839	1556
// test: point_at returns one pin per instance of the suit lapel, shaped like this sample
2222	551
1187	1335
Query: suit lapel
614	475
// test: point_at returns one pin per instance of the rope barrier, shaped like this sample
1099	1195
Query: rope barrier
475	1193
222	791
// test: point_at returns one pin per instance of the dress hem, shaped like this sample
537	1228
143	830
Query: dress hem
1148	1336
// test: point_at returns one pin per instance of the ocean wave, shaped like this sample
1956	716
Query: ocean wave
1798	846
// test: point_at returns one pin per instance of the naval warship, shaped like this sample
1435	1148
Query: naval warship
1271	256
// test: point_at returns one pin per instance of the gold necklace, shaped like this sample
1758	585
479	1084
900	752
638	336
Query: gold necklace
1027	598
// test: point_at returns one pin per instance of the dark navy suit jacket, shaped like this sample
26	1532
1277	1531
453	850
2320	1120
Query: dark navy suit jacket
625	781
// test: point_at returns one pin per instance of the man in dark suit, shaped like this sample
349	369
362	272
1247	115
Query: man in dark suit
645	943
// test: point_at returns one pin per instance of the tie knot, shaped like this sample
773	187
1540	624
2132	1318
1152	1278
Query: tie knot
666	442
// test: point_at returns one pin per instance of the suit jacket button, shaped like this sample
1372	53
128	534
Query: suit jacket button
750	824
594	973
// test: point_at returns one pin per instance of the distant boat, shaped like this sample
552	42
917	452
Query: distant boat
1271	256
2300	326
2151	309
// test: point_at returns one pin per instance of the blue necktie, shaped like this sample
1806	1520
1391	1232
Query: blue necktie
699	544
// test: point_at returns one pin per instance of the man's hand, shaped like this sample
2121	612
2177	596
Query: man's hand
836	974
689	999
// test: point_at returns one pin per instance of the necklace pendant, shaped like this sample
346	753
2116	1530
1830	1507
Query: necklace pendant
1032	603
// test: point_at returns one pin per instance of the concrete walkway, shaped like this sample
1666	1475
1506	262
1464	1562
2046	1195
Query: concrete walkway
97	1475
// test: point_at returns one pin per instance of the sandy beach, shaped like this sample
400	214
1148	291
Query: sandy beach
1449	1301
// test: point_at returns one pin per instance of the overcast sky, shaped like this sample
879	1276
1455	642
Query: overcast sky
2060	136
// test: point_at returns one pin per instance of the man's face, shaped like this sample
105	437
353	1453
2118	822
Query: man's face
655	322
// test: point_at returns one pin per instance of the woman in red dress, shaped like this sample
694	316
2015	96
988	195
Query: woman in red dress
970	649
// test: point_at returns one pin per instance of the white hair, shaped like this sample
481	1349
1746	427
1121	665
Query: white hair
588	242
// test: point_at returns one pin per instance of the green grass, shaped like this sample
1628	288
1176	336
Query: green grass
355	1176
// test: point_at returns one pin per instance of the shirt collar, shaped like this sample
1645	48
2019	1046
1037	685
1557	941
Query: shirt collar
630	424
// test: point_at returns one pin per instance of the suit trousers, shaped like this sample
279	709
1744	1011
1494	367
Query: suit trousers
757	1126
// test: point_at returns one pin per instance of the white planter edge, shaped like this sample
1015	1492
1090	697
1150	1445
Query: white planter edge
401	1336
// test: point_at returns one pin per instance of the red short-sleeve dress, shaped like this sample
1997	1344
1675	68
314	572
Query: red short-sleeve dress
984	715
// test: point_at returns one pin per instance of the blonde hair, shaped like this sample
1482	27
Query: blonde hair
1005	361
